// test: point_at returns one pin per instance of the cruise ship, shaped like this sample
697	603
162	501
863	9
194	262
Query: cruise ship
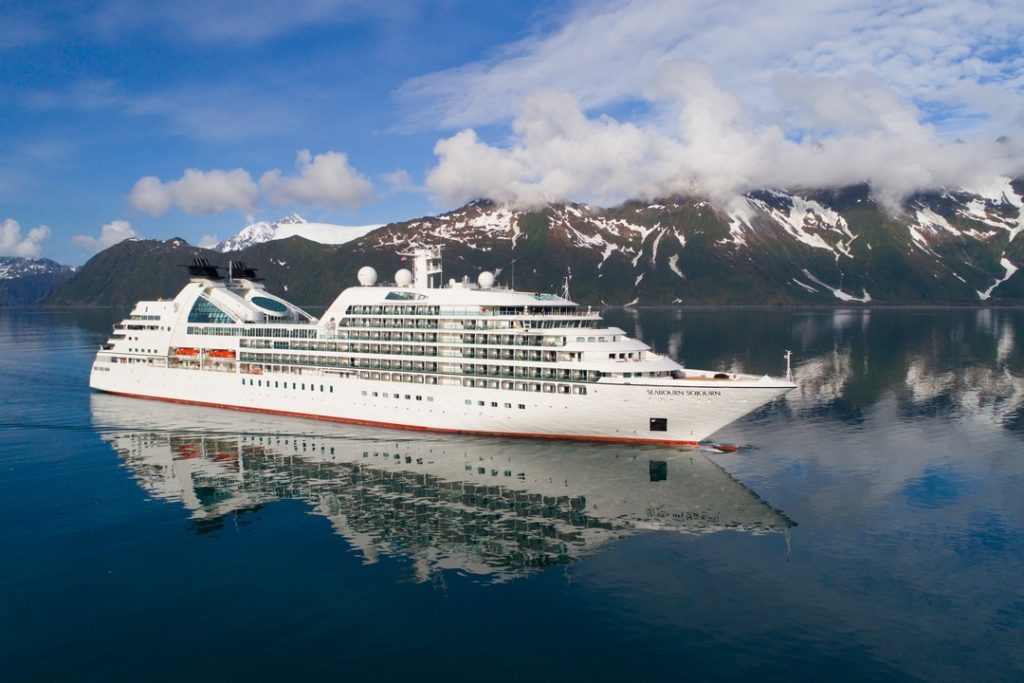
461	357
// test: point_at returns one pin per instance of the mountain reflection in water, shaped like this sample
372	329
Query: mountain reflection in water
491	508
947	363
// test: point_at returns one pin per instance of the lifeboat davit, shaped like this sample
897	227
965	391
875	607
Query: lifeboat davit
222	353
186	351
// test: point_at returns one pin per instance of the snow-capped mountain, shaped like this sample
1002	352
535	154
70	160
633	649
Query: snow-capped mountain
291	226
25	281
834	246
828	246
15	266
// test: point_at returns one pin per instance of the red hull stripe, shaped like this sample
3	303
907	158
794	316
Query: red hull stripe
392	425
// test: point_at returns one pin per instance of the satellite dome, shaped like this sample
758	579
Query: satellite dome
367	276
403	278
485	279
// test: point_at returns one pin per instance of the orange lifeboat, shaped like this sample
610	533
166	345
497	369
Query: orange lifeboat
222	353
188	450
186	351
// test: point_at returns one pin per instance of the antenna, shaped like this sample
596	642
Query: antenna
565	286
789	368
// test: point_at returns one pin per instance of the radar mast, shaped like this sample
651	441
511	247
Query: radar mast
426	267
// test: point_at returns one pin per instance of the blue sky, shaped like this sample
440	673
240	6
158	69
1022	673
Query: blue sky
150	119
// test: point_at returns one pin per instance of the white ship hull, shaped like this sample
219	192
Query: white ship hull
693	411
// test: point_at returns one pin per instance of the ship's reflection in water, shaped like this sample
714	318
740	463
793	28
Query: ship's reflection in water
495	509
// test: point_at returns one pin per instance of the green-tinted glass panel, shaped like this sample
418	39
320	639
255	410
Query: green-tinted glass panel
204	311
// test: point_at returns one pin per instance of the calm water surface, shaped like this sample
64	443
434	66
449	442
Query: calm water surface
871	527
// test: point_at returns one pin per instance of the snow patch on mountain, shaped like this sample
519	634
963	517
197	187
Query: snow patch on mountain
804	219
838	292
739	214
673	263
805	286
293	226
498	221
654	249
929	220
608	249
1010	270
993	200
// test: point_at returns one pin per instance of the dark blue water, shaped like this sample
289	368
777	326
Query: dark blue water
871	527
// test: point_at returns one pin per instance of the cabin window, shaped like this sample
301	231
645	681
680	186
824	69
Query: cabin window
522	407
659	424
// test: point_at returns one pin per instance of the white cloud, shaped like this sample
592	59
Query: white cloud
712	147
196	192
208	241
616	50
324	180
110	234
398	181
722	98
13	243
